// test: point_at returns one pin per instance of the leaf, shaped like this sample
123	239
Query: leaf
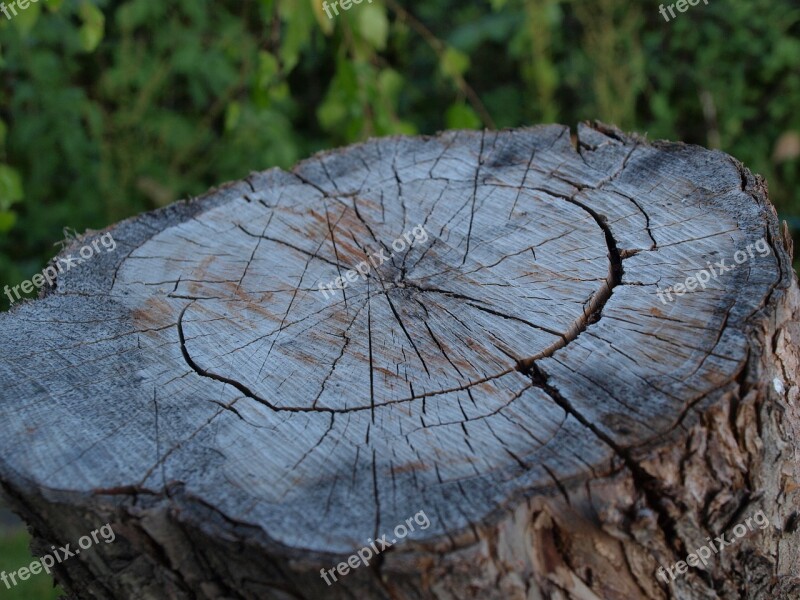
454	63
26	17
93	28
10	187
390	83
7	220
331	112
374	25
341	99
233	113
323	20
406	128
297	34
461	116
268	69
53	5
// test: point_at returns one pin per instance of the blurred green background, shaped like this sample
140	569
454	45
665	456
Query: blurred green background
14	554
109	108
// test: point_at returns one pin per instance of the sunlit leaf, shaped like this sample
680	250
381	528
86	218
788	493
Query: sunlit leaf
10	187
93	28
26	17
232	114
454	63
268	69
461	116
297	34
325	22
373	24
390	83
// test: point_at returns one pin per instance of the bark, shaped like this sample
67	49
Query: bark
510	373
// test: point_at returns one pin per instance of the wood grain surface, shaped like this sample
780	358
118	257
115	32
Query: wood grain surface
508	367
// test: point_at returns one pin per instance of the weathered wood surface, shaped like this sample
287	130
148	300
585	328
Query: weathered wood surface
512	373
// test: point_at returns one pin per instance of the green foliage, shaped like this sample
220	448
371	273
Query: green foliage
112	107
14	554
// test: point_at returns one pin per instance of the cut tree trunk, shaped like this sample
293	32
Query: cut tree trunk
517	390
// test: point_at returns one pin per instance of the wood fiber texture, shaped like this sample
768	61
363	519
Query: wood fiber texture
505	365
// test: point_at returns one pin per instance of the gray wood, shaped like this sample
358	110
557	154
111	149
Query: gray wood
515	376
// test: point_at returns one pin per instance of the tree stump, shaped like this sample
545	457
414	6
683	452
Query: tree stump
485	347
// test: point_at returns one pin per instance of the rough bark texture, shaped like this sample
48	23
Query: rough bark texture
512	373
